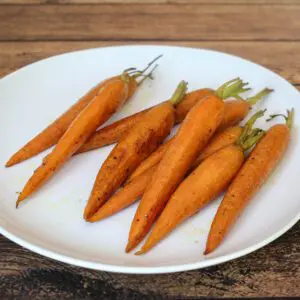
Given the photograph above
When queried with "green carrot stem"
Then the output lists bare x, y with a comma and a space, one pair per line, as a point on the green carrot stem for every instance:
260, 95
289, 117
232, 88
179, 93
252, 139
147, 76
248, 126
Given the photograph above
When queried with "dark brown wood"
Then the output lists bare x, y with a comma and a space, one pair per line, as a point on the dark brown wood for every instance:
150, 22
271, 271
15, 54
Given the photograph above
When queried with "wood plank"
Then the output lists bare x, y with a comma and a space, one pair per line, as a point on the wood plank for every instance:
150, 22
270, 271
229, 2
281, 59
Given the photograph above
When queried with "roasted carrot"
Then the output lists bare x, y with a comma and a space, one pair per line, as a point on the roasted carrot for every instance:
136, 186
51, 135
124, 197
234, 112
152, 160
112, 133
143, 138
193, 135
107, 101
220, 140
203, 185
256, 170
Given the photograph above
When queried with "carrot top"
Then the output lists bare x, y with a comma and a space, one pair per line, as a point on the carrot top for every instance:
289, 117
250, 136
179, 93
260, 95
232, 88
133, 73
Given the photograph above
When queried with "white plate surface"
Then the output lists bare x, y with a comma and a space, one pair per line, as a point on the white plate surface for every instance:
51, 222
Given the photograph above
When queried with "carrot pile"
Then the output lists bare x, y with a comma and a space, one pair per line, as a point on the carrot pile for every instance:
174, 178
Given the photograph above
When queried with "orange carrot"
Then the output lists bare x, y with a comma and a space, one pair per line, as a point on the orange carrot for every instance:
256, 170
203, 185
234, 112
136, 186
220, 140
51, 135
106, 102
124, 197
112, 133
197, 128
152, 160
140, 141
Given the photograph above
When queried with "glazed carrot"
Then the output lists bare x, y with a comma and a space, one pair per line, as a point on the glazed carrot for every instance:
124, 197
256, 170
220, 140
134, 147
106, 102
203, 185
234, 112
51, 135
112, 133
152, 160
136, 187
191, 138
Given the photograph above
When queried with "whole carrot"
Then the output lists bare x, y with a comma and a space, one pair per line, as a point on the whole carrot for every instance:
203, 185
136, 187
112, 133
106, 102
234, 112
51, 135
256, 170
143, 138
193, 135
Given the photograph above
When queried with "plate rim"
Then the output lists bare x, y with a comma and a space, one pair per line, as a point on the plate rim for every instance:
142, 269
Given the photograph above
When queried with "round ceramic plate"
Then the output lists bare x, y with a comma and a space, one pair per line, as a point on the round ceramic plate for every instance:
51, 222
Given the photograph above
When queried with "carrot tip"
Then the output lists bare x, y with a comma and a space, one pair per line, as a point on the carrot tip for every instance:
140, 252
129, 247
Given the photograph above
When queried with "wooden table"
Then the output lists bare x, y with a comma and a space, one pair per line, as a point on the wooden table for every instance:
265, 31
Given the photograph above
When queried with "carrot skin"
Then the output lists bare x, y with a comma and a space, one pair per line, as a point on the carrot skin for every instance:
136, 185
104, 104
203, 185
220, 140
112, 133
256, 170
189, 101
191, 138
124, 197
139, 142
152, 159
234, 112
52, 134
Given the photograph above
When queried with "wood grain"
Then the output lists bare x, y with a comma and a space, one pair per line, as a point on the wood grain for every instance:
228, 2
150, 22
271, 271
15, 55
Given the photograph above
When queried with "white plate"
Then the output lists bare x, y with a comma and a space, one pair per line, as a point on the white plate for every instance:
51, 223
